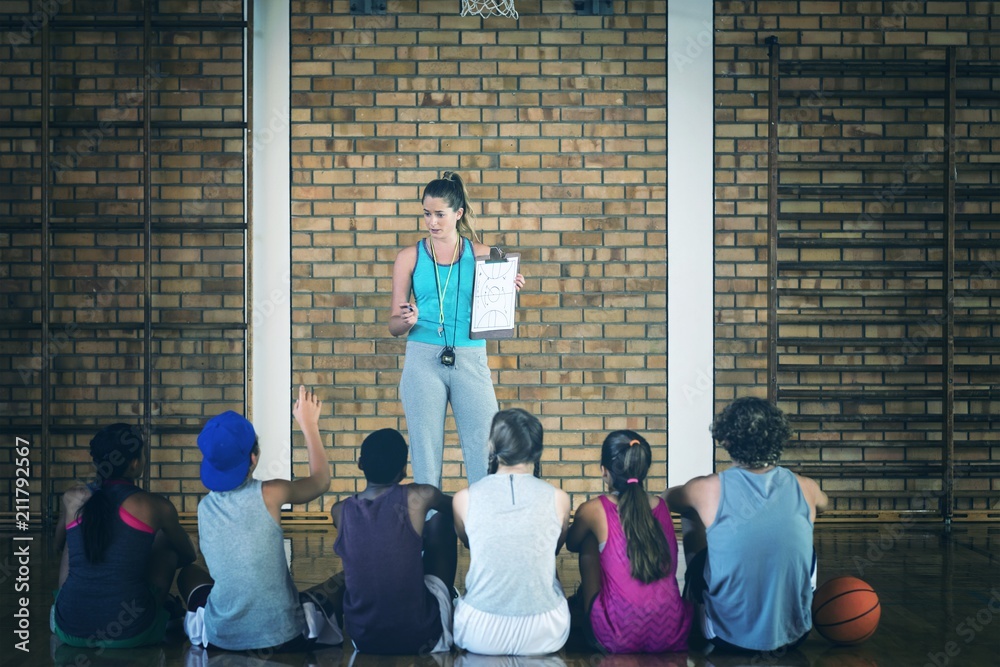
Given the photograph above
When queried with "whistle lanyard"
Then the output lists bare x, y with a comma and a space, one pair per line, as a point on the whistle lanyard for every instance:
442, 292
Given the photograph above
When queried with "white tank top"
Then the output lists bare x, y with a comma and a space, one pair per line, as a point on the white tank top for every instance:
513, 530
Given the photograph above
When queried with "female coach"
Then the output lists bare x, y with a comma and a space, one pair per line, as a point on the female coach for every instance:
442, 364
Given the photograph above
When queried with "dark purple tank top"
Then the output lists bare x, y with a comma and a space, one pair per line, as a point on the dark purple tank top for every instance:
387, 607
115, 592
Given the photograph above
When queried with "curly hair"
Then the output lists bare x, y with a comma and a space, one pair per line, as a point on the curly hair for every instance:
753, 431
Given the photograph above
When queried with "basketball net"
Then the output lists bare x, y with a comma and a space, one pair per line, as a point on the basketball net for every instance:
488, 8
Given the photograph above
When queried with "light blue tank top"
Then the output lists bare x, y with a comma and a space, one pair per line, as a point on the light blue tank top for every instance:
760, 550
254, 603
513, 530
457, 299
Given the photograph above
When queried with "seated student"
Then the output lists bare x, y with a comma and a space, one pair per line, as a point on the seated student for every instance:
748, 536
628, 557
121, 547
247, 599
514, 525
396, 600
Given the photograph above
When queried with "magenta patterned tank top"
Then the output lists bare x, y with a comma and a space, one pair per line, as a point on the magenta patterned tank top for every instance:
629, 616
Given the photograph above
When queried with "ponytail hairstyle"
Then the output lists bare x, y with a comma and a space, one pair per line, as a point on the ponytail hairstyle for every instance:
626, 456
451, 188
113, 449
515, 437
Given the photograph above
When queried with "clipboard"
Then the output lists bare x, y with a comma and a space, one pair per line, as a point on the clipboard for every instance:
494, 298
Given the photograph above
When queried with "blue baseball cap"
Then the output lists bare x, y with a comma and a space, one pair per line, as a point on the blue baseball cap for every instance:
225, 444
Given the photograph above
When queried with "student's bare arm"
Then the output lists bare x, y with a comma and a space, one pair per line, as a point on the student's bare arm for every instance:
277, 492
335, 513
562, 511
817, 499
72, 500
699, 497
178, 538
582, 525
460, 507
425, 497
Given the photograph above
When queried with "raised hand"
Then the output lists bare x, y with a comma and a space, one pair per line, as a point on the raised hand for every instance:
307, 408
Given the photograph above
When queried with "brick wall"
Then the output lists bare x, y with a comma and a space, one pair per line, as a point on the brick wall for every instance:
97, 357
557, 123
872, 450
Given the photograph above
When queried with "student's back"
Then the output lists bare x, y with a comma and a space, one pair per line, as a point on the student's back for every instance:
630, 616
514, 525
247, 600
115, 572
760, 548
387, 608
244, 550
96, 594
628, 557
514, 529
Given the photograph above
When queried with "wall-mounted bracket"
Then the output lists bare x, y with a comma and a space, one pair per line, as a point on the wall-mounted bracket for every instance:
367, 7
594, 7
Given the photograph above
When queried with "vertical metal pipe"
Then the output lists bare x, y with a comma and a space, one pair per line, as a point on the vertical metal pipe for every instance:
48, 509
772, 220
147, 214
248, 207
948, 332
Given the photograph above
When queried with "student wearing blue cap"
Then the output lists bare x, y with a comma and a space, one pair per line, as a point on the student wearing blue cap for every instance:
247, 600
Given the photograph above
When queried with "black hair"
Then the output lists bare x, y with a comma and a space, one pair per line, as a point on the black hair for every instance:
451, 188
113, 449
383, 456
753, 431
515, 438
627, 456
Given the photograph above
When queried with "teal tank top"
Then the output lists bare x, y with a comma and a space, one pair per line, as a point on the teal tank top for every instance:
760, 551
254, 603
457, 299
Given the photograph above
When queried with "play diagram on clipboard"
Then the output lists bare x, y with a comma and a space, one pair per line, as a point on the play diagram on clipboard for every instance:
494, 297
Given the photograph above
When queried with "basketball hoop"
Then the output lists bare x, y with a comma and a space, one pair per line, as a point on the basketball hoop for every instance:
488, 8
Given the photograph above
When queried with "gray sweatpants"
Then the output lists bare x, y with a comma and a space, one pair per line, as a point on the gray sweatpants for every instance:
426, 388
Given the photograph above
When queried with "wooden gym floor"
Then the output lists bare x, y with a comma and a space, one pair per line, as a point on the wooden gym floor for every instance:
940, 606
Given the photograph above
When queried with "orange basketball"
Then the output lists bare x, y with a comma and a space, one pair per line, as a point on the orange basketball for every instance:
846, 610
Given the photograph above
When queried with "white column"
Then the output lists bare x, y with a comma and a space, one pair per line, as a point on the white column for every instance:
690, 263
271, 317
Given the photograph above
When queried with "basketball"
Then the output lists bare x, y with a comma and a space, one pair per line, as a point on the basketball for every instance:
846, 610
